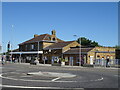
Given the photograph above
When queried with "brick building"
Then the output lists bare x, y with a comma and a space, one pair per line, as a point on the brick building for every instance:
50, 49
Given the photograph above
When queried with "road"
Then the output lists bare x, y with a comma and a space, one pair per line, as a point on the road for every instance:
55, 77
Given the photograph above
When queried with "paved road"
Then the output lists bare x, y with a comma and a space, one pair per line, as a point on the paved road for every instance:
16, 76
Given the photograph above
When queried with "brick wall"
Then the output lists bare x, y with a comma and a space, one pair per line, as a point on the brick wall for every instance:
101, 55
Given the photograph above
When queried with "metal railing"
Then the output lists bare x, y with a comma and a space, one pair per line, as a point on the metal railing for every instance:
104, 63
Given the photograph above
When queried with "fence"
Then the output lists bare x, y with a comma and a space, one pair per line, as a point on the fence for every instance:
104, 63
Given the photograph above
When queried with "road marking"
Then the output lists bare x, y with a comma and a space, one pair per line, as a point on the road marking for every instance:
49, 80
29, 87
0, 75
117, 75
38, 87
98, 79
32, 80
55, 79
26, 76
14, 72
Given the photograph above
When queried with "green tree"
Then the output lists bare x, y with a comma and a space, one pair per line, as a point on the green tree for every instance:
117, 47
0, 47
87, 42
94, 43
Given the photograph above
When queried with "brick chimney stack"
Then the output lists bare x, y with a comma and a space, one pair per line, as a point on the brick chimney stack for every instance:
35, 35
53, 36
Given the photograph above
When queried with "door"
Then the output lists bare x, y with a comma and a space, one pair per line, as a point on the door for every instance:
91, 60
71, 61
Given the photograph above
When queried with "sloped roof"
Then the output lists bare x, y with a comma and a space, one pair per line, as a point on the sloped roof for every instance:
43, 37
77, 50
58, 45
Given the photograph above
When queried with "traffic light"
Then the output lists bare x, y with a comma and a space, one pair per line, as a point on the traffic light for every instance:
8, 47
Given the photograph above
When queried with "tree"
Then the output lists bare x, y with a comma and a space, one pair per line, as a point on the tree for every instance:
87, 42
94, 43
117, 47
0, 47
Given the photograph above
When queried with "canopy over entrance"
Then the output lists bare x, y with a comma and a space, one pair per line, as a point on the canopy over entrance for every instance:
34, 52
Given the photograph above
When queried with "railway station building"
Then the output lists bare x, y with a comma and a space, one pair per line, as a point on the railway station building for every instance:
50, 49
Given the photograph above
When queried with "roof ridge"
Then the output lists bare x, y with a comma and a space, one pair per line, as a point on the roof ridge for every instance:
65, 41
41, 37
44, 34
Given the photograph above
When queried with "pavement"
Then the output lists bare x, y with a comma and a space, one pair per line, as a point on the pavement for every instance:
70, 66
15, 76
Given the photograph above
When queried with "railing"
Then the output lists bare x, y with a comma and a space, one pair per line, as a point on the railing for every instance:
104, 63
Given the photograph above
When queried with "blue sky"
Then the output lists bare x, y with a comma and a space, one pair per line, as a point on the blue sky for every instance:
97, 21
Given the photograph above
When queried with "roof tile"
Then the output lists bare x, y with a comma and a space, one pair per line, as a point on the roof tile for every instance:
77, 50
43, 37
58, 45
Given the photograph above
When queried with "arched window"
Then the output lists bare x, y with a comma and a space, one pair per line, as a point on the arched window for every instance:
53, 39
98, 55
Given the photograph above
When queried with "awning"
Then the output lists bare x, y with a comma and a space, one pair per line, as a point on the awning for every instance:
34, 52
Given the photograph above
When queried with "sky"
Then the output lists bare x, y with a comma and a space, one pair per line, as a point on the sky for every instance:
97, 21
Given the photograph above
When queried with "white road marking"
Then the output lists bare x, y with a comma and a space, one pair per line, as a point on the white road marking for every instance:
29, 87
98, 79
48, 80
117, 75
37, 87
32, 80
0, 75
26, 76
55, 79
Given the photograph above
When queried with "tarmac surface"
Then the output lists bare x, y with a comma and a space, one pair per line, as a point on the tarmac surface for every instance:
17, 76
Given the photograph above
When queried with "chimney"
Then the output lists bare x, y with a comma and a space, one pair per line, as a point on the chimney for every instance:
53, 36
54, 32
35, 35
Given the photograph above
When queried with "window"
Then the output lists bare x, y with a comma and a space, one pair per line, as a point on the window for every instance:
26, 47
71, 61
53, 39
98, 55
66, 59
77, 60
20, 48
55, 59
32, 46
71, 58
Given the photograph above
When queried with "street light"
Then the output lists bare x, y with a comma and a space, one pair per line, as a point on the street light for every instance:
79, 50
38, 50
11, 42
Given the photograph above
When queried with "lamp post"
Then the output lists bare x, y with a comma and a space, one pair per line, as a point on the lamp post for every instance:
38, 50
79, 50
50, 53
11, 42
